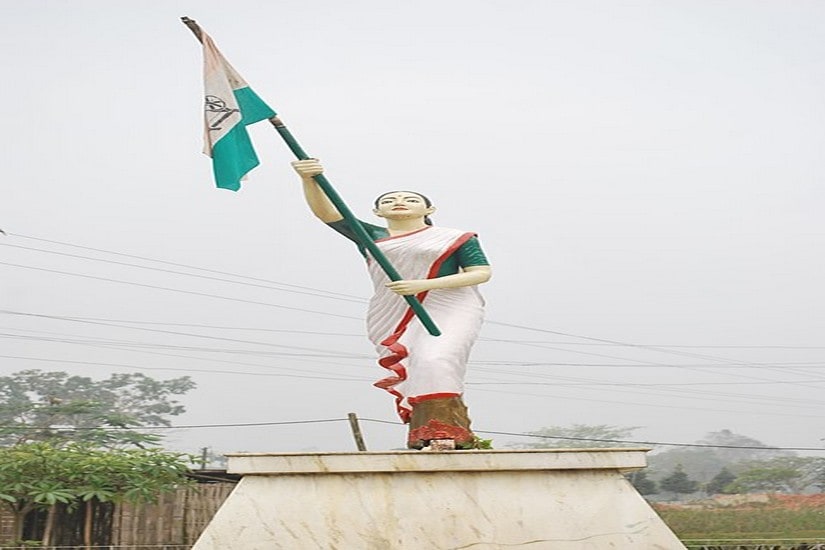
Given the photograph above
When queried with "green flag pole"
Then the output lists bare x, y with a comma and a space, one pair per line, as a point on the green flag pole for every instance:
361, 234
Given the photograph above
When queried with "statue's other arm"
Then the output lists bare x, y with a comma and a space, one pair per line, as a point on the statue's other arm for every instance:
318, 202
469, 276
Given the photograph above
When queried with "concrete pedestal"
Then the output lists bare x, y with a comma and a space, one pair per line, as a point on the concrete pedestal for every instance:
554, 499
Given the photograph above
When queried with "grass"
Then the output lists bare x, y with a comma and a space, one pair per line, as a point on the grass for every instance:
780, 518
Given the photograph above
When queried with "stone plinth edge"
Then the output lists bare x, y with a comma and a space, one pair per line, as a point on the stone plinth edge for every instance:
624, 459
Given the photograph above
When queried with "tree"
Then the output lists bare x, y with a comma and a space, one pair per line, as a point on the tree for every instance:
699, 464
720, 483
723, 449
765, 480
42, 475
579, 435
678, 482
733, 447
818, 480
793, 474
642, 483
57, 407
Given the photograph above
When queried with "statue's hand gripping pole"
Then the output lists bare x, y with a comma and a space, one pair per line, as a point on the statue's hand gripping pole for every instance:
360, 233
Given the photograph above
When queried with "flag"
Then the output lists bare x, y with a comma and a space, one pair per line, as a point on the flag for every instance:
230, 105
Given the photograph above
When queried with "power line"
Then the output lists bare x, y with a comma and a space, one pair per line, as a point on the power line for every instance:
691, 346
377, 421
760, 399
180, 369
627, 442
806, 364
583, 382
219, 327
242, 363
618, 343
657, 443
266, 343
127, 344
181, 427
509, 341
631, 384
693, 394
110, 322
176, 333
707, 368
642, 363
331, 296
277, 345
744, 365
131, 344
126, 347
481, 339
653, 405
578, 382
318, 292
175, 264
599, 340
761, 380
190, 292
586, 382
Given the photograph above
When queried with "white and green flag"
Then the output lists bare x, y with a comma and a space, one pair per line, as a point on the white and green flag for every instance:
229, 107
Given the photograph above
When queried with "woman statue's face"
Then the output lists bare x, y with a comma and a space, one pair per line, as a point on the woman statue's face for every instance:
402, 205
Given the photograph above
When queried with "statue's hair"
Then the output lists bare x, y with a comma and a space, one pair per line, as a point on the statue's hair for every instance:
427, 202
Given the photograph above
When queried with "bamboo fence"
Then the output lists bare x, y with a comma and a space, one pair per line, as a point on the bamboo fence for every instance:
174, 522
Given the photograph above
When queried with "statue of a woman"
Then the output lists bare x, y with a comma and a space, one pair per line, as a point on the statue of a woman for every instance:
442, 267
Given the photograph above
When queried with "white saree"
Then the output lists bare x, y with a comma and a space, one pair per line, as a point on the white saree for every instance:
422, 366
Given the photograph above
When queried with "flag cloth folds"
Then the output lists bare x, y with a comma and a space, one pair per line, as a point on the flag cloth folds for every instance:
230, 105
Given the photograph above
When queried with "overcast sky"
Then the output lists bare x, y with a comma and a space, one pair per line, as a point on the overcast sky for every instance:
646, 178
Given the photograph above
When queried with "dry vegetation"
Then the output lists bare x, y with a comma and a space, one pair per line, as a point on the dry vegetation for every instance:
754, 517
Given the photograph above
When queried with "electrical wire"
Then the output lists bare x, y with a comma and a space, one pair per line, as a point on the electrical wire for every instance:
189, 292
262, 343
395, 423
315, 292
79, 320
181, 369
176, 264
176, 333
331, 296
326, 293
622, 441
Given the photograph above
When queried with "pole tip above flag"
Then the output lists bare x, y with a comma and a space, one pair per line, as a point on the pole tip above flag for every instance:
193, 26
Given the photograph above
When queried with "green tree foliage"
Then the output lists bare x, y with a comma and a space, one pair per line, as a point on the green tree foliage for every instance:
702, 463
54, 406
642, 483
579, 436
818, 479
720, 484
793, 474
765, 480
678, 482
41, 474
